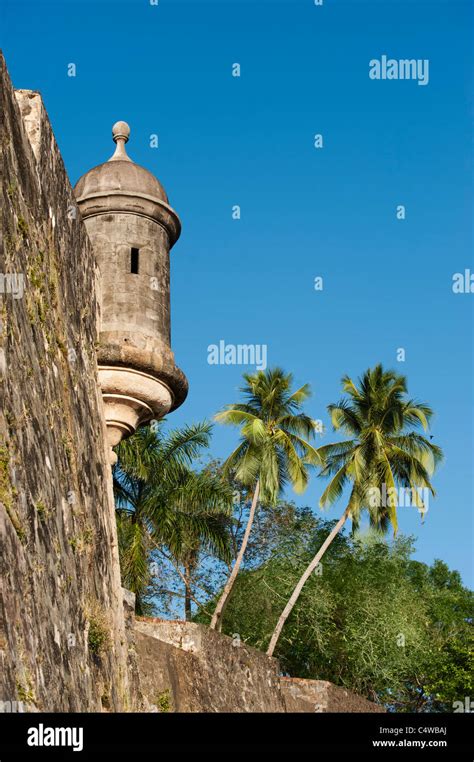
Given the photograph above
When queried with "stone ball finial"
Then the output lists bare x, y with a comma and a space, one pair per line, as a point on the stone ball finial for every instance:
120, 130
120, 135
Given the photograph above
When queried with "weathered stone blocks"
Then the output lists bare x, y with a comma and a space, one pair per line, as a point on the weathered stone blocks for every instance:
63, 643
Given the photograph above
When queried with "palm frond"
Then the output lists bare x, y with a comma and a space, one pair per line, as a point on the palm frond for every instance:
384, 450
335, 487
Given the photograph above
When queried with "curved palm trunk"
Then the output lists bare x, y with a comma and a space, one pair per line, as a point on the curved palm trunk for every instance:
219, 610
190, 564
309, 570
187, 593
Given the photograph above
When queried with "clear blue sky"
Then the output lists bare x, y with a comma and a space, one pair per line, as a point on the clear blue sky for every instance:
166, 69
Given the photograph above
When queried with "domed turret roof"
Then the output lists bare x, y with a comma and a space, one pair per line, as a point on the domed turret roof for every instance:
125, 176
120, 173
120, 185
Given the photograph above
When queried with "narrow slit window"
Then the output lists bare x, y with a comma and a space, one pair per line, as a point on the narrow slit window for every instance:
134, 261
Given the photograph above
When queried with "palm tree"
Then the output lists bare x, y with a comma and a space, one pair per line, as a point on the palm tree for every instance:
273, 449
161, 501
207, 498
384, 450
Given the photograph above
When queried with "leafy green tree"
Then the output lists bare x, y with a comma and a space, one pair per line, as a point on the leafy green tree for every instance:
163, 503
448, 674
273, 450
371, 620
384, 452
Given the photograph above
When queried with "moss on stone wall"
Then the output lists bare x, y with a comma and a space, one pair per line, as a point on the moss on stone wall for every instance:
60, 549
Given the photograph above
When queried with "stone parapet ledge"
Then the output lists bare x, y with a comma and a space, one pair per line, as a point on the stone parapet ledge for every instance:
201, 670
301, 695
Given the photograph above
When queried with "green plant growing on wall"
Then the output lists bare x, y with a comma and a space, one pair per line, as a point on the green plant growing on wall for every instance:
5, 484
11, 191
22, 227
8, 492
24, 684
98, 636
25, 693
43, 512
82, 541
164, 702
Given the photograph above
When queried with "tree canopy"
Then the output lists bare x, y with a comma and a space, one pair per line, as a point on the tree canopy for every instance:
371, 618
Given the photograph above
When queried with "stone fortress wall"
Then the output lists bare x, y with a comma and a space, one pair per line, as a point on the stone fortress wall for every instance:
68, 636
63, 643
